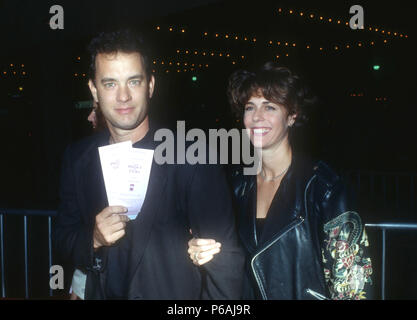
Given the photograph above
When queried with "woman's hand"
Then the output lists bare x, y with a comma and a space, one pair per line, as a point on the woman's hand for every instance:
202, 251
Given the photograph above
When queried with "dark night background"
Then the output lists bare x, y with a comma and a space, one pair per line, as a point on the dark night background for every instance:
363, 123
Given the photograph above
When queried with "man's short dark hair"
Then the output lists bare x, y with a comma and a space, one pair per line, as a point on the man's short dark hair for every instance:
125, 40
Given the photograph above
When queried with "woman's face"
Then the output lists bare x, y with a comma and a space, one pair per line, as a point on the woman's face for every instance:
266, 122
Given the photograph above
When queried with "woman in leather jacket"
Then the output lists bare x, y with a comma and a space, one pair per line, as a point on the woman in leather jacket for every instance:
303, 237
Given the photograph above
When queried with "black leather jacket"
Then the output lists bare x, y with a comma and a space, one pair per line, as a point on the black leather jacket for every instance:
310, 232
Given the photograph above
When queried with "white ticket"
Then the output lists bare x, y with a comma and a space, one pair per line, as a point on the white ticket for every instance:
126, 173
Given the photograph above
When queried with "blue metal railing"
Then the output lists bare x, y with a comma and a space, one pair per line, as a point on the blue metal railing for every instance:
384, 227
50, 214
25, 213
393, 191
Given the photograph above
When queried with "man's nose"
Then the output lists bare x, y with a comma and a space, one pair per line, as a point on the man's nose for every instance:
123, 94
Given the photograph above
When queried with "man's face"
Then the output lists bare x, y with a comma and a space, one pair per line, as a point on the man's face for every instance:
122, 89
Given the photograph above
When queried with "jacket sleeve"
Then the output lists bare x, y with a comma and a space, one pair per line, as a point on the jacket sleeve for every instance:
345, 248
209, 206
72, 235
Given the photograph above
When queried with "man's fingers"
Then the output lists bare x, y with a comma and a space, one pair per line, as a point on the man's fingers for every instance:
116, 218
108, 211
115, 236
124, 218
118, 226
110, 226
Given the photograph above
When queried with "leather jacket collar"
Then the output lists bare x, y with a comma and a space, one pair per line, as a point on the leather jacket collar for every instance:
285, 209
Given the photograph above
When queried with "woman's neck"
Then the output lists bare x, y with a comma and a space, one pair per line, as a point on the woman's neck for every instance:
276, 161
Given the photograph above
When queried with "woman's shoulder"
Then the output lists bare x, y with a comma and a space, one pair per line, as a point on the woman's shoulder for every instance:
332, 192
326, 174
307, 167
321, 177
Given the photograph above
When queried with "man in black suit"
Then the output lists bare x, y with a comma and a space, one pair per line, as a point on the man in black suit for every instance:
145, 258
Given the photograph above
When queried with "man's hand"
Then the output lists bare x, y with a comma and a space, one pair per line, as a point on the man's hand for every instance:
110, 226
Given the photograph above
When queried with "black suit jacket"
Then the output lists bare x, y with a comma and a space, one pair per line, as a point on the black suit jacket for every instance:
151, 260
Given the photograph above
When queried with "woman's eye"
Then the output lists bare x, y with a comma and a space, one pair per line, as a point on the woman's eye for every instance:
248, 108
271, 108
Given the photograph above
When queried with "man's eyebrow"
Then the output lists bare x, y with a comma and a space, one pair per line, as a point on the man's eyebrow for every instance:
136, 76
107, 80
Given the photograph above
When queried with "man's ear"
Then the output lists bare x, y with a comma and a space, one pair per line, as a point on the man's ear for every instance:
93, 90
151, 85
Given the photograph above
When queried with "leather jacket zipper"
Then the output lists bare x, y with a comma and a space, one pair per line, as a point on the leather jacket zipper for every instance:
258, 281
292, 226
316, 295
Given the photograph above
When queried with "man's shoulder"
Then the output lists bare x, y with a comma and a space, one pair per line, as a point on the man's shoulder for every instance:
85, 145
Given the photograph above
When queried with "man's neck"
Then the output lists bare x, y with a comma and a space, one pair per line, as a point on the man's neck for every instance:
134, 135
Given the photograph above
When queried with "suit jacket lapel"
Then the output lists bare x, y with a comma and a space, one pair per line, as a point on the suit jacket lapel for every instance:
92, 182
141, 227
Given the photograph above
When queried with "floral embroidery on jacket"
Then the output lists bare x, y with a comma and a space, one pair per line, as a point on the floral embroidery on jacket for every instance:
347, 268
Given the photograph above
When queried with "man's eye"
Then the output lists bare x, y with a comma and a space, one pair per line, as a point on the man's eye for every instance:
248, 108
270, 108
134, 82
109, 85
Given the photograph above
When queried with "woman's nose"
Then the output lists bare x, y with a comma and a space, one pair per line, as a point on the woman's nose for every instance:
258, 115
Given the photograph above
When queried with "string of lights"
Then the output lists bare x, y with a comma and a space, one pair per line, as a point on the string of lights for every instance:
168, 67
254, 39
172, 65
361, 95
177, 66
322, 48
207, 53
220, 54
334, 46
13, 69
279, 43
317, 17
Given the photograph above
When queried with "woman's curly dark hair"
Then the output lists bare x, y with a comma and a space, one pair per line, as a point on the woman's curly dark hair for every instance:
276, 84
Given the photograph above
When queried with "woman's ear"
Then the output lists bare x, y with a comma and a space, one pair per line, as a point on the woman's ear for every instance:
291, 119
